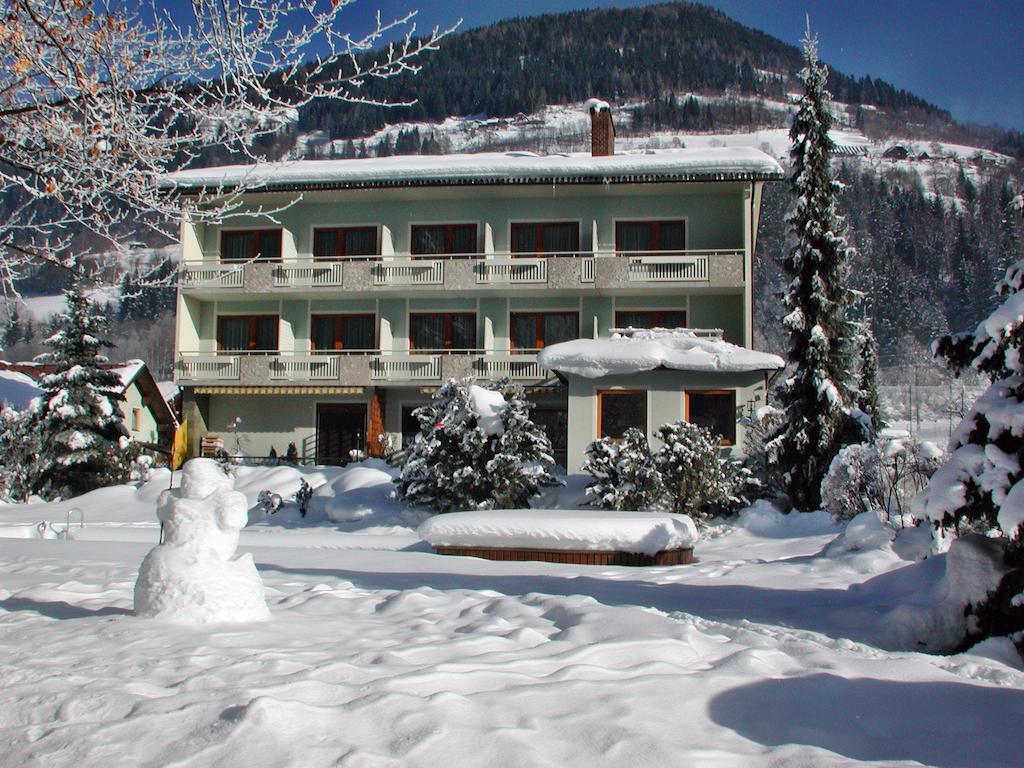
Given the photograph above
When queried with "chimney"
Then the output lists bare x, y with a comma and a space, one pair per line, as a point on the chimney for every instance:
602, 129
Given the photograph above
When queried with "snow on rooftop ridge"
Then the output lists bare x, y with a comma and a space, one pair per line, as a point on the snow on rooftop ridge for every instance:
591, 105
709, 162
647, 350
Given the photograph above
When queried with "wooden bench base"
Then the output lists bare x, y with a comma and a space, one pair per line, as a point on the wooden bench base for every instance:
573, 556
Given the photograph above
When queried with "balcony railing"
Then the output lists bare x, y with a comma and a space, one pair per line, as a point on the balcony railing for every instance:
304, 367
663, 269
211, 367
509, 270
402, 367
212, 277
308, 275
409, 272
514, 366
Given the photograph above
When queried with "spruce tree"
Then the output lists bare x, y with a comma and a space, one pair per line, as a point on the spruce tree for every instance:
462, 459
77, 415
819, 392
624, 473
868, 398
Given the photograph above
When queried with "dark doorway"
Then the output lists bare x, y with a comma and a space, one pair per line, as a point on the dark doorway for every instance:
554, 420
340, 429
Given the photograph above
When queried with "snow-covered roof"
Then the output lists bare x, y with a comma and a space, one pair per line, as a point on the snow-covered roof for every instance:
17, 389
647, 350
128, 371
705, 164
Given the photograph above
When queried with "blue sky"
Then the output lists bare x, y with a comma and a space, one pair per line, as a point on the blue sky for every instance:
967, 57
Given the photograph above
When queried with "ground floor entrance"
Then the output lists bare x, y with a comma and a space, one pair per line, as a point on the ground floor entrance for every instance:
340, 430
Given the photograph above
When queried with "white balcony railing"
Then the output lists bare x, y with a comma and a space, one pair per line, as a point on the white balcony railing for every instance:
405, 367
212, 277
304, 367
505, 271
658, 269
524, 366
308, 275
209, 367
409, 272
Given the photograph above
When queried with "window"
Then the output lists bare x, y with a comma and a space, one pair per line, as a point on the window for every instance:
342, 332
443, 238
437, 331
637, 236
247, 332
249, 244
536, 330
553, 238
651, 318
136, 419
714, 410
344, 243
620, 409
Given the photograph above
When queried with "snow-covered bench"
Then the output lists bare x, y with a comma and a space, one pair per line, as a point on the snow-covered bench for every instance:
583, 537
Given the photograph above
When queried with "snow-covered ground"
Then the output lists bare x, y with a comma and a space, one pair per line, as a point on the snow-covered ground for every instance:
774, 649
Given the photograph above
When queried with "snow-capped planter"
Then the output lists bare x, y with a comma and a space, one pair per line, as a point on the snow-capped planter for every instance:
191, 578
585, 537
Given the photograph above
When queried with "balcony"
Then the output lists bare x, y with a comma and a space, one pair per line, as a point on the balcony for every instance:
503, 365
403, 272
198, 276
308, 275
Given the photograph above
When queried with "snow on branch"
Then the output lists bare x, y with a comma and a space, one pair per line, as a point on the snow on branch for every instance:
99, 99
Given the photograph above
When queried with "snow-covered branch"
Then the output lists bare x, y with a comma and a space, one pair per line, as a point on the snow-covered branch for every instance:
98, 99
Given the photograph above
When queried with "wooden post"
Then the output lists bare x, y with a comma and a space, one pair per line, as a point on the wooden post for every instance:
375, 428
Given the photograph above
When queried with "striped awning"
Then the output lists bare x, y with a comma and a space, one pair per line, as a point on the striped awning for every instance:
238, 390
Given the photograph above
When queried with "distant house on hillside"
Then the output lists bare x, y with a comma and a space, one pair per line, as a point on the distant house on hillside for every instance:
147, 417
897, 152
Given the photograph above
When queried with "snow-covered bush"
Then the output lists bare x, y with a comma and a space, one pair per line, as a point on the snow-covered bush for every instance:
697, 479
763, 422
854, 483
292, 455
882, 477
303, 495
20, 444
142, 469
624, 473
476, 449
269, 501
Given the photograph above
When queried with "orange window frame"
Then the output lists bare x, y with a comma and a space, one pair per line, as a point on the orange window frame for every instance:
339, 319
447, 333
538, 228
725, 440
655, 314
250, 343
449, 238
655, 226
339, 243
254, 246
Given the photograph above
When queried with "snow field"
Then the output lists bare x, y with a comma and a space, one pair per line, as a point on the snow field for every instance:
765, 652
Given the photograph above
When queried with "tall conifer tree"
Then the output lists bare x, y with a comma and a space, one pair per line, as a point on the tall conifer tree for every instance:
818, 394
78, 418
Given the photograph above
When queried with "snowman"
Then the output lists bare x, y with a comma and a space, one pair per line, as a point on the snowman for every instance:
190, 577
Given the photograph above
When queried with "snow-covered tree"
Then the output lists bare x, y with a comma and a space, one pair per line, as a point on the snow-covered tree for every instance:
476, 449
869, 401
80, 426
20, 445
820, 389
698, 480
981, 487
624, 473
99, 99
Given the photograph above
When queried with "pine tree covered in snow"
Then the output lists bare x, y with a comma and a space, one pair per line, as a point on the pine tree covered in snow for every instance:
981, 487
868, 398
820, 390
476, 449
20, 446
624, 473
698, 480
77, 415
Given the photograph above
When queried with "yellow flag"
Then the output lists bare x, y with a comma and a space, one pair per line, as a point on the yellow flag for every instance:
180, 449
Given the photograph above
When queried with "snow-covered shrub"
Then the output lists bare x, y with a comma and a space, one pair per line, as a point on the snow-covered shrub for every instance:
292, 455
20, 444
142, 469
303, 495
697, 479
476, 449
908, 464
854, 483
624, 473
269, 501
763, 422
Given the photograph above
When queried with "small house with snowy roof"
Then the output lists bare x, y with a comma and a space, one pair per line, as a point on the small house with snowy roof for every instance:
329, 323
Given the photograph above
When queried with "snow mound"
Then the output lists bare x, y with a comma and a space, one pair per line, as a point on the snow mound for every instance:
862, 533
190, 578
647, 350
17, 389
644, 533
359, 491
762, 518
489, 405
